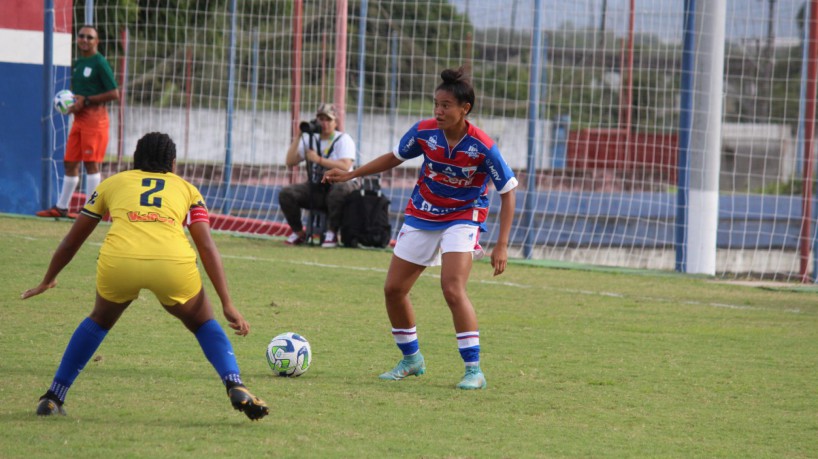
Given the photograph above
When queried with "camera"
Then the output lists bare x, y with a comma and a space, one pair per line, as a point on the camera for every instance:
310, 127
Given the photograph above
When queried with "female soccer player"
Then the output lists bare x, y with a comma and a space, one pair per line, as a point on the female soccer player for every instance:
444, 218
146, 248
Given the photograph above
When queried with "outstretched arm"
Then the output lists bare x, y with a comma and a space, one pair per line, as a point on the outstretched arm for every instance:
379, 164
499, 255
71, 243
212, 262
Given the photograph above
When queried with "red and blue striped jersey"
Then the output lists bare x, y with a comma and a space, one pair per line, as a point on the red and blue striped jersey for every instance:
452, 182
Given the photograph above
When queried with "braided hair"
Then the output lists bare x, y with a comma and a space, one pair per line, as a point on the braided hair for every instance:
457, 82
155, 152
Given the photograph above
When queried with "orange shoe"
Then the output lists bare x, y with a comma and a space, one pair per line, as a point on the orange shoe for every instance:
56, 212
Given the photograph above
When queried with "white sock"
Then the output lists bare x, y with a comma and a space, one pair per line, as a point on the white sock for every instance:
69, 184
91, 183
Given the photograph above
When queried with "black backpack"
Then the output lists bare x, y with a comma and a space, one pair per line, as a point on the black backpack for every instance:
365, 219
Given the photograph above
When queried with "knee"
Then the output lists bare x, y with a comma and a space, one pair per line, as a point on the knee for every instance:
453, 294
393, 291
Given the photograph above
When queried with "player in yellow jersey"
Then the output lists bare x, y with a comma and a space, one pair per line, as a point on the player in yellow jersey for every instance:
146, 248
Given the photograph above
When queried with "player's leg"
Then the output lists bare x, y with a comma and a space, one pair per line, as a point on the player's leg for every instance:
71, 178
291, 199
83, 344
458, 245
93, 144
415, 250
180, 291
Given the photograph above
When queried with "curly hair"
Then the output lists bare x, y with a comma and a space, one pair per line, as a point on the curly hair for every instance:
155, 152
457, 82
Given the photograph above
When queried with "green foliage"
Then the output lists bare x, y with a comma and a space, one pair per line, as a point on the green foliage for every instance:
580, 363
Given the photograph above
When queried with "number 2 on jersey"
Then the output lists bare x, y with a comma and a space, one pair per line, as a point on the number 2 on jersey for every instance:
147, 199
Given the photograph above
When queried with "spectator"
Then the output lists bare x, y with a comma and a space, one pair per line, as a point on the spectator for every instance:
323, 147
93, 84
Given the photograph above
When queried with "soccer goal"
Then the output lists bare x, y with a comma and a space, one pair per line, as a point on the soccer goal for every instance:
666, 135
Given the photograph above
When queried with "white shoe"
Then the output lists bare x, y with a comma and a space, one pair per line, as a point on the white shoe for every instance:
295, 239
330, 240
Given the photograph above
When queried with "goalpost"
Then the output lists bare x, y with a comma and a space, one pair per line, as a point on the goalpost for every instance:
636, 142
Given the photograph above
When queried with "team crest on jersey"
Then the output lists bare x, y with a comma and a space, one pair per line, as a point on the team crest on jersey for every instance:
431, 142
469, 171
86, 72
93, 199
472, 152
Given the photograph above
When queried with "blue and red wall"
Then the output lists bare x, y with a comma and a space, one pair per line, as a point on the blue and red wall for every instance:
22, 120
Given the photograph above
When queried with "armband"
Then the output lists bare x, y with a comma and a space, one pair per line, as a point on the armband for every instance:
197, 214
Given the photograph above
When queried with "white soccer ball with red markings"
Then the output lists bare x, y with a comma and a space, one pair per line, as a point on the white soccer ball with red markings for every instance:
63, 100
289, 354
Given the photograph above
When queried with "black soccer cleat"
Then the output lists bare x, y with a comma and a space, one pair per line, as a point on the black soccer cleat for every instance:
247, 403
49, 407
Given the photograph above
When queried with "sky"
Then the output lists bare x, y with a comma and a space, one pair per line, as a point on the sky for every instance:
746, 19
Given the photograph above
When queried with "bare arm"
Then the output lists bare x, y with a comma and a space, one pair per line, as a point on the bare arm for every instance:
379, 164
499, 255
292, 152
212, 262
71, 243
84, 101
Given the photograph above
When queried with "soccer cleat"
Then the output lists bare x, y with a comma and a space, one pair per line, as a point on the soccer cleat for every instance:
295, 239
247, 403
49, 407
330, 240
473, 379
56, 212
409, 365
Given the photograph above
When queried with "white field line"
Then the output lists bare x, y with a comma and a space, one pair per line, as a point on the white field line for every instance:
526, 286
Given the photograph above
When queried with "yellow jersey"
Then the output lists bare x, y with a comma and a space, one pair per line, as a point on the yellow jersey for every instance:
148, 212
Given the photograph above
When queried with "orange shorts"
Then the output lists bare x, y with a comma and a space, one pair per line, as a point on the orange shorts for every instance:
88, 139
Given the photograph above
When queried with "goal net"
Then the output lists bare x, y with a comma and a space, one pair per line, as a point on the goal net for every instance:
596, 151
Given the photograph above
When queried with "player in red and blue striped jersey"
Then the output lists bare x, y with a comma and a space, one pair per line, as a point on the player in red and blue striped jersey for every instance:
444, 218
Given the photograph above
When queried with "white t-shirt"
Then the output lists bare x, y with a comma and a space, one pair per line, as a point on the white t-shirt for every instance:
344, 147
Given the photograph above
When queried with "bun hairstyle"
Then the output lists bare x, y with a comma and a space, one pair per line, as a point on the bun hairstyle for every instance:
457, 82
155, 152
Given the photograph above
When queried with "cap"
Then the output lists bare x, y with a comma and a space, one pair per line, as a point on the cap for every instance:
327, 110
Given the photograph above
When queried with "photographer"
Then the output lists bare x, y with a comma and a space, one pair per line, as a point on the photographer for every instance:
323, 148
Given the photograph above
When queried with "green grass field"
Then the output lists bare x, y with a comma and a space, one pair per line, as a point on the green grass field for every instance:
579, 362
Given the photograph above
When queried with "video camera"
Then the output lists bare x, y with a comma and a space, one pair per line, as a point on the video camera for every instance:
310, 127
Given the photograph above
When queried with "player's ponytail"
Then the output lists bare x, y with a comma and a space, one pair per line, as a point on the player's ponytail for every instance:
155, 152
457, 82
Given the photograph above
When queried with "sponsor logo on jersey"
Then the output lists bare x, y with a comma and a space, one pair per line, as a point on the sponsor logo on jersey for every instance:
86, 72
472, 152
136, 217
408, 145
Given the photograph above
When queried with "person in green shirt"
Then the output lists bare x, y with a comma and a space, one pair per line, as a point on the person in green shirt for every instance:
93, 85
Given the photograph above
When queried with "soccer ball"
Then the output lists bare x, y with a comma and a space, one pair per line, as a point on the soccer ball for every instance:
63, 100
289, 354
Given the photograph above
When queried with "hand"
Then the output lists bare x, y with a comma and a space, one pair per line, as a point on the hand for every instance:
499, 258
236, 320
312, 156
335, 175
78, 105
38, 289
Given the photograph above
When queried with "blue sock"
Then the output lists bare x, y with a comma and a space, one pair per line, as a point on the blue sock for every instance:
219, 351
84, 342
468, 343
407, 340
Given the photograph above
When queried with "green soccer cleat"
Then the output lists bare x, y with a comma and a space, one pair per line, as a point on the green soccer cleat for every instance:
473, 379
247, 403
49, 407
409, 365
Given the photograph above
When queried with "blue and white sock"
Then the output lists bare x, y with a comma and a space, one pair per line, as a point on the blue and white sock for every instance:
468, 343
407, 340
219, 352
84, 342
